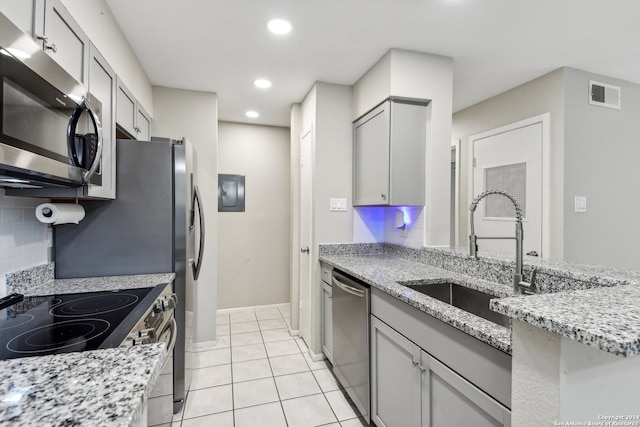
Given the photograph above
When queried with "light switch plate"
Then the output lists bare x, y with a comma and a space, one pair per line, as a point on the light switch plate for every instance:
337, 204
580, 204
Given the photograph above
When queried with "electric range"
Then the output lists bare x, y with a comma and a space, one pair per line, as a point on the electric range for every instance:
42, 325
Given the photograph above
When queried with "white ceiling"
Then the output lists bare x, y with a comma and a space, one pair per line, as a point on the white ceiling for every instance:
223, 45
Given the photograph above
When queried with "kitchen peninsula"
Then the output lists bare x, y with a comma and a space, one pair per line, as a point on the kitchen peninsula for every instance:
572, 347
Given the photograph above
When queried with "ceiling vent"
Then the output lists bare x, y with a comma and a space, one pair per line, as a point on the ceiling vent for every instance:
604, 95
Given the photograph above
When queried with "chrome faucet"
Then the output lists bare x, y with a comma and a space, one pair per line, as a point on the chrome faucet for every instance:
519, 286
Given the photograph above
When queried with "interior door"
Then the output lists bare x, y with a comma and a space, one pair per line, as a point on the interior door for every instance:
306, 176
509, 159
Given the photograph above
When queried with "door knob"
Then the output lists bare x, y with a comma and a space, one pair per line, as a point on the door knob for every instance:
305, 250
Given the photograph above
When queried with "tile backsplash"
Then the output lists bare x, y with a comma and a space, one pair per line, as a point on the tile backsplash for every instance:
377, 224
24, 241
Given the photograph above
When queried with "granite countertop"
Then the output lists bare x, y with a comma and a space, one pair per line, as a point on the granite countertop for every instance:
594, 305
39, 281
383, 271
607, 318
94, 388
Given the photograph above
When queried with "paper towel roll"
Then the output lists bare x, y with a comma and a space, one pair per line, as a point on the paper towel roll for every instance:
59, 213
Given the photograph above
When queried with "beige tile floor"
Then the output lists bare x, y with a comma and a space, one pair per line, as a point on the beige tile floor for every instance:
258, 375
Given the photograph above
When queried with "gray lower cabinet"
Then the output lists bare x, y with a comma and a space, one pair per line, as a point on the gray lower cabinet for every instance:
395, 378
327, 318
410, 387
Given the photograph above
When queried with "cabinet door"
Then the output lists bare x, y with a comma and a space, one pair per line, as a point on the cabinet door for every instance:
66, 43
102, 85
450, 400
395, 378
371, 158
22, 13
126, 109
143, 124
327, 324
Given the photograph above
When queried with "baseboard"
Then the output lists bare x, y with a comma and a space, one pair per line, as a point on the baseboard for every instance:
205, 345
256, 307
294, 332
316, 357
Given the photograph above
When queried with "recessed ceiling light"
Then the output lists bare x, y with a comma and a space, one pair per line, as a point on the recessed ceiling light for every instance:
279, 26
252, 114
262, 83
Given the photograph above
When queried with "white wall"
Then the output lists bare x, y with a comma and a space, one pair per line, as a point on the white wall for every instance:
326, 112
24, 241
602, 149
544, 94
194, 115
254, 245
97, 21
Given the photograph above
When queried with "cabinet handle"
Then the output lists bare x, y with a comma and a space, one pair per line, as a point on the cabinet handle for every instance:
52, 47
423, 370
414, 363
384, 196
137, 130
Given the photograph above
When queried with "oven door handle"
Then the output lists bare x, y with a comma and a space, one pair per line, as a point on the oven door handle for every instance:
173, 326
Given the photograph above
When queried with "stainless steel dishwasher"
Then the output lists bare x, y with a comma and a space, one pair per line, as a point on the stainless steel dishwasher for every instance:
350, 311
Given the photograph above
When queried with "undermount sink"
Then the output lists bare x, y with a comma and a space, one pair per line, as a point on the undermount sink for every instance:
467, 299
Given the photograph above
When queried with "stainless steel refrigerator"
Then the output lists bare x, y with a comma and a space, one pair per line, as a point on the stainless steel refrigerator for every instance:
151, 227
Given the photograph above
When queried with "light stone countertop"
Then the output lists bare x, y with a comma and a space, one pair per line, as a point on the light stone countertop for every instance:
383, 272
107, 387
39, 281
594, 305
93, 388
607, 317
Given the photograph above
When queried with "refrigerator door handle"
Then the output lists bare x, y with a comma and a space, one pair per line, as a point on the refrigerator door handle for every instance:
196, 264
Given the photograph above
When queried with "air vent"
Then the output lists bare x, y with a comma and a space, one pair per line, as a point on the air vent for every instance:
604, 95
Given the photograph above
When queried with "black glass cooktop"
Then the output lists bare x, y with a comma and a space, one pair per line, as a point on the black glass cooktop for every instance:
65, 323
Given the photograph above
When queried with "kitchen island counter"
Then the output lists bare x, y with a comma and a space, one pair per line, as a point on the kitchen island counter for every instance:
93, 388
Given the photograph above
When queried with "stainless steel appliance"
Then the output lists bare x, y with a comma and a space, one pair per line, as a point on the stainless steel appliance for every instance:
50, 132
41, 325
350, 309
150, 228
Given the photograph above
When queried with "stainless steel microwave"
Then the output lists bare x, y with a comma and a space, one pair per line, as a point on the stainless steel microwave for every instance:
50, 131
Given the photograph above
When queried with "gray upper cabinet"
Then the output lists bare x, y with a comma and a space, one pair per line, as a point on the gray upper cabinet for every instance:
132, 118
389, 145
102, 84
143, 124
50, 24
65, 41
22, 13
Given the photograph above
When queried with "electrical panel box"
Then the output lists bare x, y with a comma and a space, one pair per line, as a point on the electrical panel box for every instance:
230, 193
